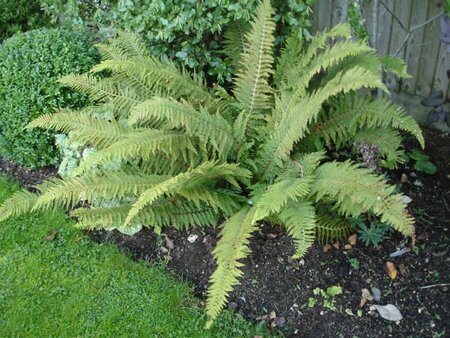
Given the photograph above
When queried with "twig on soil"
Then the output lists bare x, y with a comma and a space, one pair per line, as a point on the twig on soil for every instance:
434, 285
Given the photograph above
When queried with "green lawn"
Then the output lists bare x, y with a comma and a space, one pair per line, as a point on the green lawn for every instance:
72, 287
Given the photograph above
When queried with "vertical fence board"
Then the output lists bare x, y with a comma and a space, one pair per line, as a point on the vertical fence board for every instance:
441, 80
429, 53
414, 45
384, 26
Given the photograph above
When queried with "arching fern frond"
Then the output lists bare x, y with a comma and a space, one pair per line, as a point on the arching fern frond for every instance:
87, 130
143, 145
19, 203
332, 228
212, 129
356, 190
203, 175
300, 220
232, 246
251, 87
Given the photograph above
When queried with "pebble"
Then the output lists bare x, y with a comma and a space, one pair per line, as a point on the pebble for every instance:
376, 293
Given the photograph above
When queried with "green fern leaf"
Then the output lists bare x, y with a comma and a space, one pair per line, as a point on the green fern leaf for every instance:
251, 84
232, 246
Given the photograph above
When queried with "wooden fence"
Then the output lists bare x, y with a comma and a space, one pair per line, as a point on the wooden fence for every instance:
406, 28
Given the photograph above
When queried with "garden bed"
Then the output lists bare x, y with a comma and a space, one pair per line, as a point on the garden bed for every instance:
276, 290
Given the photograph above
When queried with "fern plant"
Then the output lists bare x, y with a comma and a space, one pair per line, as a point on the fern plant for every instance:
187, 155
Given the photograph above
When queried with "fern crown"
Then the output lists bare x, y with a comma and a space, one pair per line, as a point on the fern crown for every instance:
169, 151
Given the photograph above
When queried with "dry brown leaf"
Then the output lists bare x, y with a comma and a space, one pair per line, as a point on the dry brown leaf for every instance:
326, 248
391, 270
362, 302
352, 239
337, 245
347, 247
51, 235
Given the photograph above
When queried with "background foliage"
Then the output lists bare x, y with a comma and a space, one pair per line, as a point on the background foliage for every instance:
20, 15
30, 64
186, 31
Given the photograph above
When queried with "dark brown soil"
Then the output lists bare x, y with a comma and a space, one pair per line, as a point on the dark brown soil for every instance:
273, 282
26, 177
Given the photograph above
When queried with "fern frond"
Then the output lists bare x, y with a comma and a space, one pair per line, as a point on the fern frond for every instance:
142, 145
232, 246
93, 187
300, 220
212, 129
290, 55
184, 184
296, 122
332, 228
234, 42
278, 194
251, 84
85, 129
19, 203
388, 142
356, 190
104, 90
170, 212
394, 65
349, 113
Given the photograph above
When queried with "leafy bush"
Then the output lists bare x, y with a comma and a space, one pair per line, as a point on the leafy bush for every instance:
187, 32
20, 15
190, 155
30, 64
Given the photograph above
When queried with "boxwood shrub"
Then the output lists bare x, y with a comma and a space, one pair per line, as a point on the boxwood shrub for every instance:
30, 64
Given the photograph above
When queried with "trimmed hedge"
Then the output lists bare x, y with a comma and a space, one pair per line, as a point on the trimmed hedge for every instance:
30, 64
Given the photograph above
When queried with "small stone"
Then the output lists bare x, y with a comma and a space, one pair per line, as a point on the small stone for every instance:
406, 199
376, 294
169, 243
273, 315
192, 238
366, 294
271, 236
164, 250
336, 245
404, 178
232, 305
347, 247
279, 321
352, 239
326, 248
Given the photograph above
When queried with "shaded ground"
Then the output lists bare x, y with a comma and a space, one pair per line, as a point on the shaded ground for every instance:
274, 283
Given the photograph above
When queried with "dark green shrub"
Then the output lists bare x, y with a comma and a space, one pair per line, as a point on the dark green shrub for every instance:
20, 15
187, 32
30, 64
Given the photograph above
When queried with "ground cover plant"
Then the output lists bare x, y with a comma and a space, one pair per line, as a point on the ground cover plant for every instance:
172, 152
56, 282
30, 63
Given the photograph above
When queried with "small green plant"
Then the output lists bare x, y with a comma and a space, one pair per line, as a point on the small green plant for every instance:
30, 64
328, 297
373, 233
354, 263
423, 163
185, 154
312, 302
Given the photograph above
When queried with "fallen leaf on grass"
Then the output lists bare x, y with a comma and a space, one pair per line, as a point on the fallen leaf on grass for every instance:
352, 239
391, 270
388, 312
326, 248
51, 235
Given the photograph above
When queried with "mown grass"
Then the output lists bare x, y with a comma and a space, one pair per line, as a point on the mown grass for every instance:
72, 287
